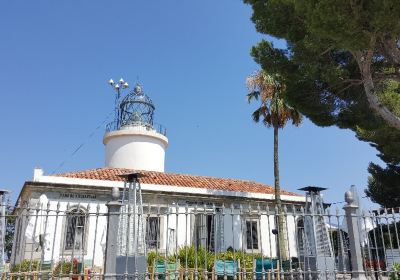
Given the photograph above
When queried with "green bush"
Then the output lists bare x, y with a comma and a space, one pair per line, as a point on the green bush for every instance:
246, 259
395, 274
203, 257
26, 266
62, 268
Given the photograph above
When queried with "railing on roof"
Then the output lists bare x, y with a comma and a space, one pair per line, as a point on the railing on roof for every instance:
141, 126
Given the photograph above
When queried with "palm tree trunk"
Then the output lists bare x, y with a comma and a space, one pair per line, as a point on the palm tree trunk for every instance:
281, 240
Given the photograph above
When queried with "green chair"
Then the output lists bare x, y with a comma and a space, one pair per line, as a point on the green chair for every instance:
228, 268
164, 268
265, 265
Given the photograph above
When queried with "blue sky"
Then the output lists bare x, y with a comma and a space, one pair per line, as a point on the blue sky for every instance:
192, 58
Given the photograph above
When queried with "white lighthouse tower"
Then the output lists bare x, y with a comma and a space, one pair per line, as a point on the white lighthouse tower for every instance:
132, 140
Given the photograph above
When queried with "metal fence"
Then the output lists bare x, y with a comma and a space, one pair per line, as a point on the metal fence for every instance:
138, 126
201, 240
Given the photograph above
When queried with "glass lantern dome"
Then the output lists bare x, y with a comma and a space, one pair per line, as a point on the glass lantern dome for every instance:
136, 109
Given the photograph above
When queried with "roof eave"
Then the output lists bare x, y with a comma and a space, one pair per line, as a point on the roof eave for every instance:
165, 188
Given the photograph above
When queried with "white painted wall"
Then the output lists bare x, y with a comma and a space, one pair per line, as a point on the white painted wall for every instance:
95, 239
178, 225
137, 149
54, 227
233, 230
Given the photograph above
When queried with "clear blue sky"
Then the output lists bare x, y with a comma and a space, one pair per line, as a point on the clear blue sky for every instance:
192, 58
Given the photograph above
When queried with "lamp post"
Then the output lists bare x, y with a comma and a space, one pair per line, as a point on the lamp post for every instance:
133, 258
118, 87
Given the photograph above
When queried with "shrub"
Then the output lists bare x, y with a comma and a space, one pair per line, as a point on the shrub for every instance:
26, 266
62, 267
203, 257
395, 274
152, 256
67, 267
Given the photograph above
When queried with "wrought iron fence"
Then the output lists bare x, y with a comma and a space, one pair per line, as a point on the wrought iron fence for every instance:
201, 240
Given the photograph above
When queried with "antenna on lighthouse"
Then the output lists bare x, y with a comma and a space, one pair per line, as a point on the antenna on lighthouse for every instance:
118, 87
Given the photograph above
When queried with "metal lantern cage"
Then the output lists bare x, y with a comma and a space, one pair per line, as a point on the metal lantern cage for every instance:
136, 109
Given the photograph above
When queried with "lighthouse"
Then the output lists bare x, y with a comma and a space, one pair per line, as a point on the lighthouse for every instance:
132, 140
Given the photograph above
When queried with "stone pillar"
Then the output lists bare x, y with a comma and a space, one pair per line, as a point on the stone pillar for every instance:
354, 238
114, 208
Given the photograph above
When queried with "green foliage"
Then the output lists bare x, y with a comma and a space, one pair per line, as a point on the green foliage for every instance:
246, 259
26, 266
322, 77
270, 91
383, 185
389, 95
62, 268
152, 256
395, 274
320, 65
204, 258
384, 235
66, 267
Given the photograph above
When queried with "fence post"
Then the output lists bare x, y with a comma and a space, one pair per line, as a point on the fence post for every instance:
114, 208
354, 237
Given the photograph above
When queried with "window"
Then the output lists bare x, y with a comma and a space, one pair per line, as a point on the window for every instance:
300, 236
205, 231
153, 232
75, 231
252, 234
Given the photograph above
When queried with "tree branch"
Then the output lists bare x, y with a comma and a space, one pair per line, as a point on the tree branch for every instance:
379, 77
351, 83
325, 51
364, 59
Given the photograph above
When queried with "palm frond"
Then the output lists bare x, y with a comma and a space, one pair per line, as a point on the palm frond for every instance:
269, 90
268, 120
252, 95
296, 117
259, 113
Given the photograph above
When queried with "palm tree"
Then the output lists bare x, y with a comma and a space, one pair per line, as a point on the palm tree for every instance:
273, 112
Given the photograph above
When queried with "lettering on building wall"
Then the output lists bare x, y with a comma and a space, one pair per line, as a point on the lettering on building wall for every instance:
78, 195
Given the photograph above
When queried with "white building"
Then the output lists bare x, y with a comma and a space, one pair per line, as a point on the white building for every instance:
63, 215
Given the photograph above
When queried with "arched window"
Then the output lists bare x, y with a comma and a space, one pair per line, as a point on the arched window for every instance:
75, 230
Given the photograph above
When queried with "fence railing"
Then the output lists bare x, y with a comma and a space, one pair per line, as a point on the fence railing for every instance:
141, 126
196, 240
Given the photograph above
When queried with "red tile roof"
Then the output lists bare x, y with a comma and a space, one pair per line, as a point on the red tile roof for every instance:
181, 180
